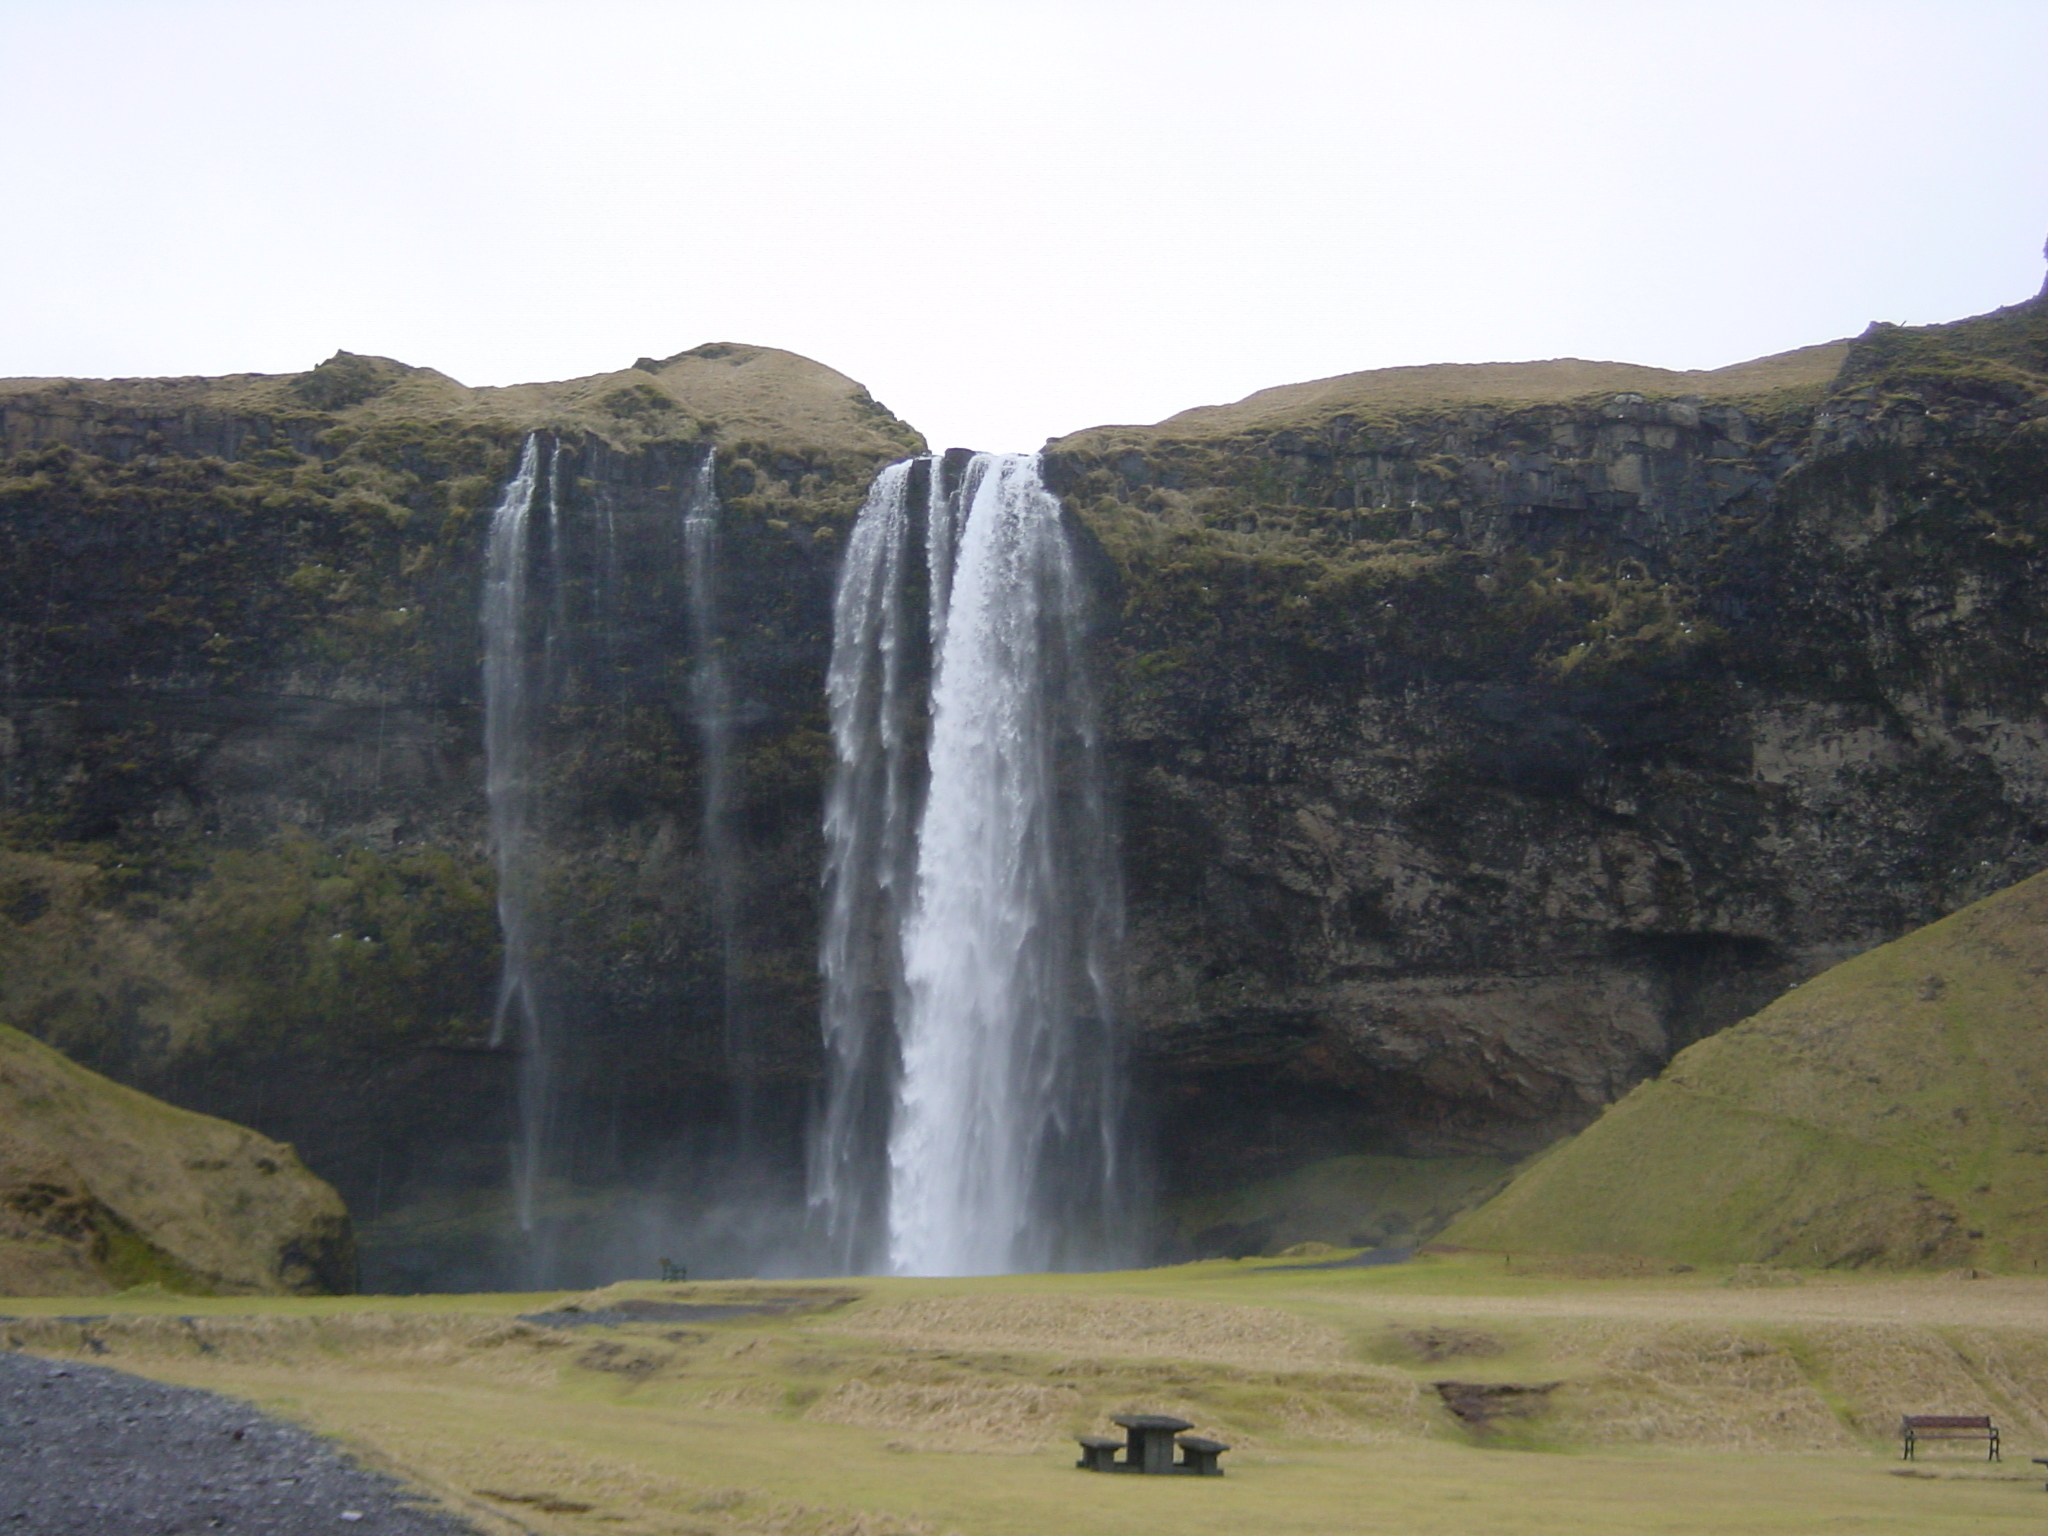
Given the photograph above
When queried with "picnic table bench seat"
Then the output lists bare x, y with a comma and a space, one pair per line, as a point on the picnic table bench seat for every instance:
1198, 1456
1098, 1453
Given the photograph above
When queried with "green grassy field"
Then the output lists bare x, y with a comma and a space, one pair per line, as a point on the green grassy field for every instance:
1745, 1401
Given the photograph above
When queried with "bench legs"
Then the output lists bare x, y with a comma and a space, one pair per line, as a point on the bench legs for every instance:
1912, 1442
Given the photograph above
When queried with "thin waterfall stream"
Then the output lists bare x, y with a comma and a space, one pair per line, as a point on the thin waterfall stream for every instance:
973, 1115
554, 597
511, 791
711, 709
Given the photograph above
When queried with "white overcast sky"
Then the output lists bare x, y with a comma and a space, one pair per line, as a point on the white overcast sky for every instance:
1009, 220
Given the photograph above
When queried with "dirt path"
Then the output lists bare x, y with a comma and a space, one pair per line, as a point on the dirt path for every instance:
87, 1451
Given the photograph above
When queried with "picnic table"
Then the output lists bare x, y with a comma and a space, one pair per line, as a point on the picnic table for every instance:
1151, 1440
1149, 1445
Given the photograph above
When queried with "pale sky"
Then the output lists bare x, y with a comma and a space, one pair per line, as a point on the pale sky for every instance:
1008, 220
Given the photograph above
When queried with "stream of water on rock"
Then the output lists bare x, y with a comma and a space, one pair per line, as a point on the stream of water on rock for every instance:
511, 791
549, 615
711, 708
973, 1114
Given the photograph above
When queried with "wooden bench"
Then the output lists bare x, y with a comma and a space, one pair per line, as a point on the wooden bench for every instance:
1915, 1427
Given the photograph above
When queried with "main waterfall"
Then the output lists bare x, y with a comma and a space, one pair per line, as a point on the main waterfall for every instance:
973, 1119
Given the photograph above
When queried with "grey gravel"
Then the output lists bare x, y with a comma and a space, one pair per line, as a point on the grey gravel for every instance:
88, 1451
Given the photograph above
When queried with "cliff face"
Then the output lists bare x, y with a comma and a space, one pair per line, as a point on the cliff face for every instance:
1483, 735
241, 745
1491, 733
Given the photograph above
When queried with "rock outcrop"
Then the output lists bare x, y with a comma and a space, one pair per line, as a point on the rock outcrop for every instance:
1888, 1113
102, 1188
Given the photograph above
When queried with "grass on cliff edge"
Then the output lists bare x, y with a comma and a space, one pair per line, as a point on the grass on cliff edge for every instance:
1892, 1111
1802, 374
1650, 1403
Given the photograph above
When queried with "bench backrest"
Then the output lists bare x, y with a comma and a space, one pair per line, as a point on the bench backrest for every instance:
1948, 1421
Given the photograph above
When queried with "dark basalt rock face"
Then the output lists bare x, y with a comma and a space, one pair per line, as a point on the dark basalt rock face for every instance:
1479, 743
1478, 756
246, 859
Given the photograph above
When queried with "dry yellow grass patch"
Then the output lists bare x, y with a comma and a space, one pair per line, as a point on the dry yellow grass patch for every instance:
1701, 1387
1015, 1417
1258, 1337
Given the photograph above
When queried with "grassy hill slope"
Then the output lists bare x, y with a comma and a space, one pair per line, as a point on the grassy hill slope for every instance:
1893, 1111
102, 1187
740, 396
1388, 393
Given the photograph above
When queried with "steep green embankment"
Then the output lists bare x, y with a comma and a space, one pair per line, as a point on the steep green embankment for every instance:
102, 1188
1892, 1111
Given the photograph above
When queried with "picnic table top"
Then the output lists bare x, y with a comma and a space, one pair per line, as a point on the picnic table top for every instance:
1156, 1422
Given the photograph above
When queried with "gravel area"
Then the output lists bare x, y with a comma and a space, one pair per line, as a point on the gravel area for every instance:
87, 1451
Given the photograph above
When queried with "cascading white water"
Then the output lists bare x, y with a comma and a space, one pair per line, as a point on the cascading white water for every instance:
511, 792
973, 1110
867, 875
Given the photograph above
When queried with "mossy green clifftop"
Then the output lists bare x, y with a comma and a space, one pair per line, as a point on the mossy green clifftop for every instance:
1893, 1112
102, 1188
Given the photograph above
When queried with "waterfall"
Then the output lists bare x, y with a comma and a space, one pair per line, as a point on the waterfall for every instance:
606, 625
711, 708
867, 875
972, 1121
511, 791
